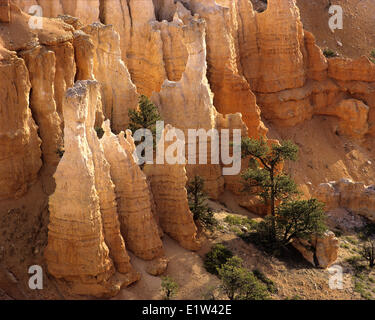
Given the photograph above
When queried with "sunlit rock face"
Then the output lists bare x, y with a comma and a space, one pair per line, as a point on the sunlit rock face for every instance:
168, 183
20, 154
134, 199
84, 231
353, 196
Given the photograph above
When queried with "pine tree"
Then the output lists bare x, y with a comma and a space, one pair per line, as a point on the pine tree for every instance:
145, 117
290, 218
197, 203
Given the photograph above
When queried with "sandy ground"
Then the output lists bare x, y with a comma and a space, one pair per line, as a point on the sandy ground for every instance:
358, 34
325, 156
185, 267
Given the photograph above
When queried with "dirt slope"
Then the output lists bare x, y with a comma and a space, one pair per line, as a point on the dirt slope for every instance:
358, 33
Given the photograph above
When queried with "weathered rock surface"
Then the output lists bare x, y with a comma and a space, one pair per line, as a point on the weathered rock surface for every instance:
41, 64
168, 183
353, 196
271, 45
319, 251
231, 91
119, 94
79, 228
144, 55
5, 11
103, 183
19, 142
86, 10
138, 225
157, 267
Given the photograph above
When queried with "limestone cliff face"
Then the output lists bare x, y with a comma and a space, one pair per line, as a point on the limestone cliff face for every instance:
19, 142
119, 94
168, 183
84, 231
141, 43
138, 225
32, 82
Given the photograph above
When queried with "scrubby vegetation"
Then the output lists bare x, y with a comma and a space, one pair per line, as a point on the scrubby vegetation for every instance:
218, 256
329, 53
169, 287
238, 283
372, 56
99, 132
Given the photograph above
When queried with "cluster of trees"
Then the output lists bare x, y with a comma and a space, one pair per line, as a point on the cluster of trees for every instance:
237, 282
290, 217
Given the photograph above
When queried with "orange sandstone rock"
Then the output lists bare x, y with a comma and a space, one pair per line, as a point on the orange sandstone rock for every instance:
168, 183
118, 92
19, 142
134, 205
77, 250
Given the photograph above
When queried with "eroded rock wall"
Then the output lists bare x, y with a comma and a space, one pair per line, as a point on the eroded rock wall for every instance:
119, 94
20, 155
138, 225
168, 183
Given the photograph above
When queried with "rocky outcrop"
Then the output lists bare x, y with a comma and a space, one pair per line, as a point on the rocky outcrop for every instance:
103, 183
353, 117
271, 46
19, 142
175, 54
84, 50
345, 69
138, 225
353, 196
83, 221
319, 251
119, 94
168, 183
179, 102
144, 55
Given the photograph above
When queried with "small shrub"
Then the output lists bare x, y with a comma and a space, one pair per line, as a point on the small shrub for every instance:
99, 132
368, 252
372, 56
239, 283
60, 152
169, 287
241, 221
328, 53
218, 256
